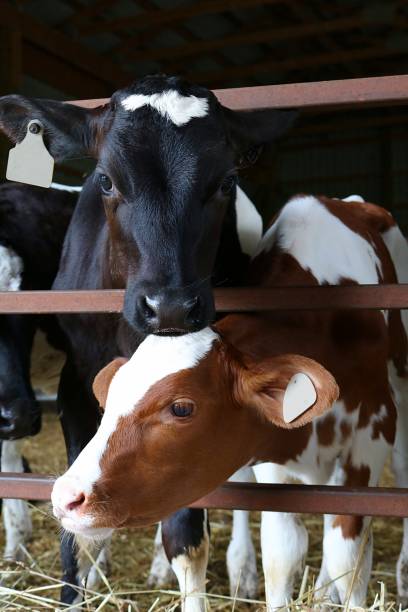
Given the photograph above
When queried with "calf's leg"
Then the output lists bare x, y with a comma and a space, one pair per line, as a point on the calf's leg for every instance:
16, 513
284, 542
186, 540
161, 572
347, 543
400, 467
241, 557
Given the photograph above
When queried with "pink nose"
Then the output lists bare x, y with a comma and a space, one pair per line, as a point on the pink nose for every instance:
67, 496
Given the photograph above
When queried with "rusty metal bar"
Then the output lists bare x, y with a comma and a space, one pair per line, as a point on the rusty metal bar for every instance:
305, 499
245, 299
374, 91
363, 501
25, 486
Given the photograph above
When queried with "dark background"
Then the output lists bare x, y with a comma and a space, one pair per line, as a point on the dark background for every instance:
78, 49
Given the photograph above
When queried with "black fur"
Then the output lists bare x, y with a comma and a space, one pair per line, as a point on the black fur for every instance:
183, 531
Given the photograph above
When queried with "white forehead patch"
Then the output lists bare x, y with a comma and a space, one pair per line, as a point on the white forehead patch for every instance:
11, 269
170, 104
156, 358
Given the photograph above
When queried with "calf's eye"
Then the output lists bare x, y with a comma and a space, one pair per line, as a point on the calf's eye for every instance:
182, 408
228, 184
106, 184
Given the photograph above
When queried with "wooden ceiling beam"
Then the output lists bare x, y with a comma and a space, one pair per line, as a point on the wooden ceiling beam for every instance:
87, 12
53, 70
246, 38
181, 30
161, 17
63, 47
307, 12
310, 61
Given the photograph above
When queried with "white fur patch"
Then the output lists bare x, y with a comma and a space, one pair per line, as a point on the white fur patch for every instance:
154, 359
11, 269
170, 104
354, 198
300, 395
249, 223
322, 244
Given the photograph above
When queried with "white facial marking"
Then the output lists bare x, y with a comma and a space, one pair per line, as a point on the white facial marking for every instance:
11, 269
321, 243
300, 395
170, 104
156, 358
61, 187
249, 223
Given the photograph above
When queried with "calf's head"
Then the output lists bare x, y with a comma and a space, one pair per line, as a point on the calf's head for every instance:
179, 418
167, 156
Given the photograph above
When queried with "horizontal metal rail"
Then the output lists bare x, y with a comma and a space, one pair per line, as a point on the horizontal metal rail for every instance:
372, 91
250, 299
304, 499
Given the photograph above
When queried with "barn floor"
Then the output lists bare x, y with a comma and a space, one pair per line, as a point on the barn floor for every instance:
132, 550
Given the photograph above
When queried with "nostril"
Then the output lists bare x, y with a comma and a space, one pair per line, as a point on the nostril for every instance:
194, 307
148, 307
77, 502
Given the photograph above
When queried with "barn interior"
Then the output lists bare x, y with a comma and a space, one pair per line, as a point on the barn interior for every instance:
81, 49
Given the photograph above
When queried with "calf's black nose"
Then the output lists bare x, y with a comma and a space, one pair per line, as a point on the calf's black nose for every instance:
18, 419
164, 315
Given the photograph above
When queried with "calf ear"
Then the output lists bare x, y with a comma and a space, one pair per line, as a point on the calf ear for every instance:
289, 390
103, 380
68, 130
250, 130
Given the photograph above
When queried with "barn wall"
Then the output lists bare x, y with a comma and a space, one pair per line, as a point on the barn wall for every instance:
368, 162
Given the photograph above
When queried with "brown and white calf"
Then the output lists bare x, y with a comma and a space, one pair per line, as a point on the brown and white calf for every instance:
185, 412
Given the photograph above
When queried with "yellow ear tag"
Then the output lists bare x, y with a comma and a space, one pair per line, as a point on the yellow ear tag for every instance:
29, 161
300, 395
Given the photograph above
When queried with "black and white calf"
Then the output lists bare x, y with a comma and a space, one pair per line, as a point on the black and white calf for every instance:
156, 218
33, 223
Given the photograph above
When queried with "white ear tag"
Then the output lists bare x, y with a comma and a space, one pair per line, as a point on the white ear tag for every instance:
29, 161
300, 395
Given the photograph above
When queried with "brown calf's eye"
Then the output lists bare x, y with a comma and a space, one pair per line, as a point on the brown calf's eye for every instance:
182, 408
